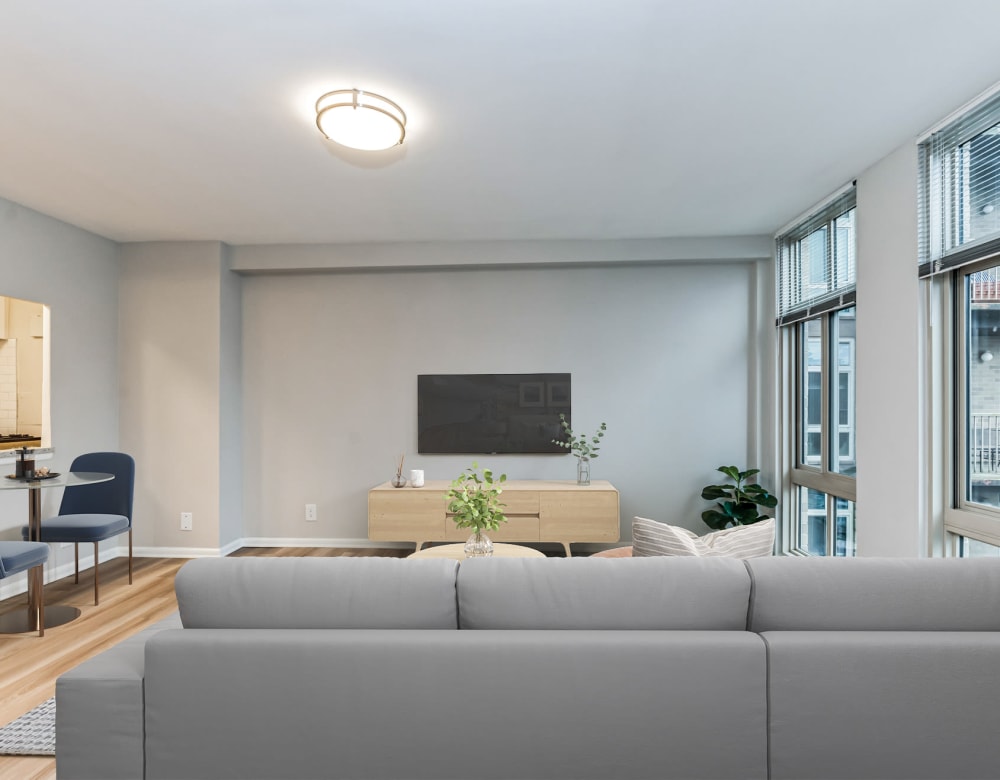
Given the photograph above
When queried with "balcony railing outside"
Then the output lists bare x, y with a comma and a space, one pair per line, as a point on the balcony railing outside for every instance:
984, 444
984, 286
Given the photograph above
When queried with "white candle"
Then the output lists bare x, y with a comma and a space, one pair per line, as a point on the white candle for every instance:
416, 477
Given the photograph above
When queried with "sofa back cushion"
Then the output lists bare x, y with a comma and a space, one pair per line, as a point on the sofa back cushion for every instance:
874, 594
317, 593
603, 593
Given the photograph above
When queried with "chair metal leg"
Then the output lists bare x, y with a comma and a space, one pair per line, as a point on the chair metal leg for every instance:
37, 585
97, 596
41, 601
129, 556
76, 562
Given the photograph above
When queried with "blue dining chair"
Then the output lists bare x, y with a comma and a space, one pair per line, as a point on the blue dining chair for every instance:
16, 557
95, 512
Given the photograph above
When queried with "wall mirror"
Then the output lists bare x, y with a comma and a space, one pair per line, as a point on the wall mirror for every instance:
24, 374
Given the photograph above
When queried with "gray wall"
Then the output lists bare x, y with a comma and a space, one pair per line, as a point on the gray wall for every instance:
891, 513
76, 273
230, 405
330, 364
171, 335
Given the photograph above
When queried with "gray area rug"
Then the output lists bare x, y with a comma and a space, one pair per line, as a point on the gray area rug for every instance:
33, 734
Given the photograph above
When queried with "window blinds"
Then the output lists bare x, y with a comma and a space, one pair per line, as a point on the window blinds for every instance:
816, 262
960, 191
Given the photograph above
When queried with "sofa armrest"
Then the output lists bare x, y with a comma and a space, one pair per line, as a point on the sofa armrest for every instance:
99, 712
886, 704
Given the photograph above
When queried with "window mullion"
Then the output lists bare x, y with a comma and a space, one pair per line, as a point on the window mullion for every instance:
801, 360
800, 390
961, 470
831, 524
824, 416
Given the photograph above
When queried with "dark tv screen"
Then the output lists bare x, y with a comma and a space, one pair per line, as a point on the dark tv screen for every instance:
491, 413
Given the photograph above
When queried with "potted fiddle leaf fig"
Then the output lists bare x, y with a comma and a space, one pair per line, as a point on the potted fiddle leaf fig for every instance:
739, 502
474, 502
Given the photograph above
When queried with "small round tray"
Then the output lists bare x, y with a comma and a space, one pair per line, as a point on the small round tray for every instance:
50, 475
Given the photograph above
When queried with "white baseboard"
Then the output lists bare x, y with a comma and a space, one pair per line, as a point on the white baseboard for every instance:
175, 552
270, 541
187, 552
14, 586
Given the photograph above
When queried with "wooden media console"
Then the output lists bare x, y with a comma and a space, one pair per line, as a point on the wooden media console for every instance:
536, 510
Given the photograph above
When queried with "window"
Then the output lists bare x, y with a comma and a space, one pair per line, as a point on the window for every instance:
960, 249
823, 468
960, 191
825, 523
971, 548
818, 336
816, 262
842, 392
976, 424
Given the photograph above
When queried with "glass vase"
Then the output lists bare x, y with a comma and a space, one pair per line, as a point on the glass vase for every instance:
582, 471
479, 546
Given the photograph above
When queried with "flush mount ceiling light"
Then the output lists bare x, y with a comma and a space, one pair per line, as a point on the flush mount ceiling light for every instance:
360, 120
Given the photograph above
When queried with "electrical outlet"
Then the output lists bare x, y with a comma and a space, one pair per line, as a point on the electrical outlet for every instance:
310, 513
187, 521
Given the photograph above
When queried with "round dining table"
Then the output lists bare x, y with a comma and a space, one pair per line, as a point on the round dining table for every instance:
33, 616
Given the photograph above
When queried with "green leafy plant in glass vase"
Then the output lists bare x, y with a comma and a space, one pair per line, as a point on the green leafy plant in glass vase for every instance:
474, 502
585, 448
740, 501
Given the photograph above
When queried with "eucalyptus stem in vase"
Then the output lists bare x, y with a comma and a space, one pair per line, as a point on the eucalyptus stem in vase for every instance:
585, 448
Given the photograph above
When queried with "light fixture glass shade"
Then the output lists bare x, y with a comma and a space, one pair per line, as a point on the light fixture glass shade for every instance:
360, 120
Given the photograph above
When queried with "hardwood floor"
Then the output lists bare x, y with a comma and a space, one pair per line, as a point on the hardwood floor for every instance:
29, 664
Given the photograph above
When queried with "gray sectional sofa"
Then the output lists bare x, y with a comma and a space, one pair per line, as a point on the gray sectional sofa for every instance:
551, 668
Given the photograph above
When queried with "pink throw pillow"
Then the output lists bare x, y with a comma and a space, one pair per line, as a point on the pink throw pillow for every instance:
616, 552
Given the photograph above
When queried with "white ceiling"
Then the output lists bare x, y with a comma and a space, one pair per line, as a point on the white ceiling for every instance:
529, 119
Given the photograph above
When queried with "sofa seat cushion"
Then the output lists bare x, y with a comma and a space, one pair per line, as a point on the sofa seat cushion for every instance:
598, 593
650, 538
317, 593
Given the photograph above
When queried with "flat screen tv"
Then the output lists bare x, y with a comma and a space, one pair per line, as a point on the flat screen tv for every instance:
483, 414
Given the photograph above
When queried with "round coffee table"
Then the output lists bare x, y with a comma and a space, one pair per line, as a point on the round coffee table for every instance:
457, 551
